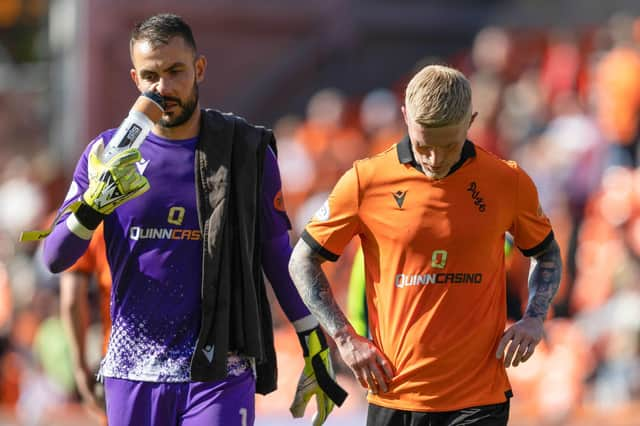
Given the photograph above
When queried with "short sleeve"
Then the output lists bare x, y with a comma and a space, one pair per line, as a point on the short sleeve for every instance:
531, 228
337, 221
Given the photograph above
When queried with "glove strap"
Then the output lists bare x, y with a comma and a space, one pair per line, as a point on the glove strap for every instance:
328, 385
88, 217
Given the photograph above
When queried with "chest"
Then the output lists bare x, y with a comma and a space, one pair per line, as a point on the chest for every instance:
171, 199
415, 212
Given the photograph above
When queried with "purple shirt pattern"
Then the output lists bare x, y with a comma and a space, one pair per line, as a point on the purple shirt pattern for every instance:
152, 244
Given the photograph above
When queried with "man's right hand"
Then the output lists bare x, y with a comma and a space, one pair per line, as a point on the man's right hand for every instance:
115, 182
366, 361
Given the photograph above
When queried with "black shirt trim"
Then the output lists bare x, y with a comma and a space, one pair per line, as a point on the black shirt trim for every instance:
405, 154
316, 247
540, 247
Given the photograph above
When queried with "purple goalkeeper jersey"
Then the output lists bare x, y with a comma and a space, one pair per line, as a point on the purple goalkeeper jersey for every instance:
154, 249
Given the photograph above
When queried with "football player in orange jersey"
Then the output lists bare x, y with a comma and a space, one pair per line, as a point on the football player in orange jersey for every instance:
431, 213
75, 312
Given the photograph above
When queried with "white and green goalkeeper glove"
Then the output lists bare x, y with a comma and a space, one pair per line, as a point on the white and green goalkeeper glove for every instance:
317, 378
115, 182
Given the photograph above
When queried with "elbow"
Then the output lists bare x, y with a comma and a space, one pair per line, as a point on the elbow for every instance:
294, 261
292, 268
54, 264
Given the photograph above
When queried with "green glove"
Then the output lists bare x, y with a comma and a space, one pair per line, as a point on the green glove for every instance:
317, 378
115, 182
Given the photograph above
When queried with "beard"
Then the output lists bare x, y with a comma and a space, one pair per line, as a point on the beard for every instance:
186, 109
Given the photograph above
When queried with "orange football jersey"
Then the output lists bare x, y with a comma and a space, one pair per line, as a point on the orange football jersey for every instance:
435, 268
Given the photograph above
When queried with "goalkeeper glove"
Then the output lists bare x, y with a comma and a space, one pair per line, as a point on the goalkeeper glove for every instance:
317, 378
115, 182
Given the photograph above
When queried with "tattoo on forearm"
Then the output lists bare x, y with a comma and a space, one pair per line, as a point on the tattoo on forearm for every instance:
544, 281
306, 272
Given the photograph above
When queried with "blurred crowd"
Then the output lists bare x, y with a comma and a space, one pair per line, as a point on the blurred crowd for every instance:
563, 103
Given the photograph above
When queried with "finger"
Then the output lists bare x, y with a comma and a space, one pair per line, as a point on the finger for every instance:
97, 148
371, 383
298, 406
361, 378
386, 368
322, 413
379, 378
129, 156
522, 348
531, 348
301, 399
506, 337
513, 346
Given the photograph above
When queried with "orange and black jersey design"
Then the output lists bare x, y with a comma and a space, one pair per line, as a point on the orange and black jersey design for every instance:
434, 265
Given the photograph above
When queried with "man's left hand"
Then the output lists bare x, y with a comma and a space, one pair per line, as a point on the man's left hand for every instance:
522, 338
317, 378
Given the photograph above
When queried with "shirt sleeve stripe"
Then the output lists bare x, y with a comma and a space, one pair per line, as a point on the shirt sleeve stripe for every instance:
540, 247
316, 247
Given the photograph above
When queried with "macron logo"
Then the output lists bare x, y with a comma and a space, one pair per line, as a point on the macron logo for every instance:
142, 165
399, 197
208, 352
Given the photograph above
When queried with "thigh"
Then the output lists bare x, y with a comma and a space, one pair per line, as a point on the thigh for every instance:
226, 402
140, 403
483, 415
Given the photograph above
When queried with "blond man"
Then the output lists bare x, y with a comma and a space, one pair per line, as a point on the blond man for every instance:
431, 213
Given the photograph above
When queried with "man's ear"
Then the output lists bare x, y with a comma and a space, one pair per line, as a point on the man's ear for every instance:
134, 76
201, 67
473, 117
404, 114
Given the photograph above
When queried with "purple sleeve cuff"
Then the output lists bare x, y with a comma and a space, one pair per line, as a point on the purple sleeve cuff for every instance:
62, 248
275, 263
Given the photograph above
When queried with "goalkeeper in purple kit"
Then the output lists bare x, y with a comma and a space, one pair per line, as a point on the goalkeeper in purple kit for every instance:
196, 218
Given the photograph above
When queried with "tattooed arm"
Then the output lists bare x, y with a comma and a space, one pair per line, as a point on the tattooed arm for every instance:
544, 281
367, 362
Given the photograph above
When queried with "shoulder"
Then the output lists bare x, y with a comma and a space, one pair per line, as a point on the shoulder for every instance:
493, 164
378, 164
243, 130
221, 117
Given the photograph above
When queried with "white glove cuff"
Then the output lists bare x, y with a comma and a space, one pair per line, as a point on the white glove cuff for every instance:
305, 323
77, 228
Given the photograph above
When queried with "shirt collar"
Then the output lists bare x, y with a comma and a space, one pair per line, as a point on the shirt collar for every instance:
405, 154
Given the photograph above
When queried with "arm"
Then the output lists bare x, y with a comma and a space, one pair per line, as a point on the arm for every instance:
544, 281
74, 312
275, 258
366, 361
63, 246
318, 377
97, 189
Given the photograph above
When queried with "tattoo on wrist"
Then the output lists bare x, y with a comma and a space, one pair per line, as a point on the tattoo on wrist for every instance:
544, 282
316, 292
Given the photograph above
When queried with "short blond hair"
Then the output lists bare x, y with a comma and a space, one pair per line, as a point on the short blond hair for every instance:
438, 96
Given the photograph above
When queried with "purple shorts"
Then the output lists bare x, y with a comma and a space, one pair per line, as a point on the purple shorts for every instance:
226, 402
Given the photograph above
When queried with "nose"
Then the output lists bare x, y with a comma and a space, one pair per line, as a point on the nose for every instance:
162, 86
433, 157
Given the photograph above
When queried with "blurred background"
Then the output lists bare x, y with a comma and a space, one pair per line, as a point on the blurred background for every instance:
557, 88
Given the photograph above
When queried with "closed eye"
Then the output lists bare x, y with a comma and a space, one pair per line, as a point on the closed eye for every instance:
149, 76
